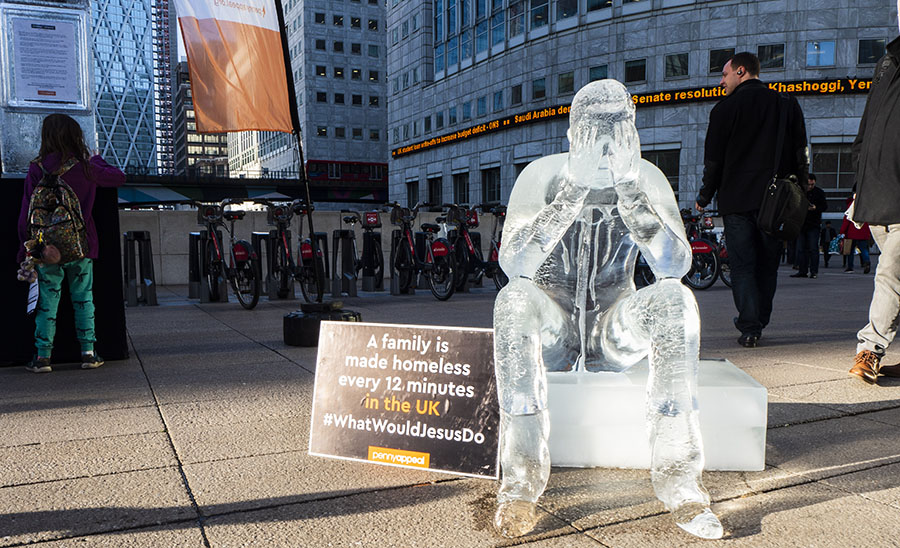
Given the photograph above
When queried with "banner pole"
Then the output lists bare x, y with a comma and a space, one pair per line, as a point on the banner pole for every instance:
295, 121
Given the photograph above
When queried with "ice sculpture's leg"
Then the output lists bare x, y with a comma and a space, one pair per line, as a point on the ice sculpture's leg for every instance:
522, 391
666, 313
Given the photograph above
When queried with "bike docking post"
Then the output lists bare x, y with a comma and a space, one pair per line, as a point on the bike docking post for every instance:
371, 220
395, 276
344, 279
194, 265
204, 287
421, 251
139, 274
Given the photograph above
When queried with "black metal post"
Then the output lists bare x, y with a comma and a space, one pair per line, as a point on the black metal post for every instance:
295, 121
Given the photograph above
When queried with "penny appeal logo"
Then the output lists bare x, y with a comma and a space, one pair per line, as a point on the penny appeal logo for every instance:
240, 6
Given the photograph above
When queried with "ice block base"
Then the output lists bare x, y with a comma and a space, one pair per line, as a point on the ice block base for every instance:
598, 419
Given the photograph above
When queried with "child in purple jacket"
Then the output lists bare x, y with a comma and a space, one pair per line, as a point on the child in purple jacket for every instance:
61, 140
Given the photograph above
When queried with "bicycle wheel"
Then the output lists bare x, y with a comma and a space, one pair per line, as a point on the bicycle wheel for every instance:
461, 274
213, 266
704, 271
281, 272
725, 272
403, 265
500, 278
245, 283
441, 279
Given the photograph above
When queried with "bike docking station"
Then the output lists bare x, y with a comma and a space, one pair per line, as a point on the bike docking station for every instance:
344, 279
140, 284
198, 249
371, 220
264, 243
598, 419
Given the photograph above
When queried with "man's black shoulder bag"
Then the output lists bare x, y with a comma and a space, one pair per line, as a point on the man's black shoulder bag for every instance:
784, 204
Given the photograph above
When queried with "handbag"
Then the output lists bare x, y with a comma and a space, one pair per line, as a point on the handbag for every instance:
847, 246
784, 204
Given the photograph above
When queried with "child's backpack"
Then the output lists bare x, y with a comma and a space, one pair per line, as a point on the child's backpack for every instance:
54, 215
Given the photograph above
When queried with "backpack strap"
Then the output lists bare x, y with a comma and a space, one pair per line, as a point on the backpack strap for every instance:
66, 166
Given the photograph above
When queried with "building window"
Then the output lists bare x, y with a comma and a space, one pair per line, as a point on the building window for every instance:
820, 54
397, 134
319, 18
339, 72
373, 75
373, 24
374, 135
635, 71
539, 88
321, 70
481, 36
481, 106
566, 83
356, 49
435, 192
498, 101
718, 58
338, 20
438, 21
593, 5
373, 50
320, 45
356, 99
461, 188
870, 51
669, 162
358, 134
566, 8
600, 72
771, 56
490, 185
451, 115
465, 45
439, 57
515, 94
427, 124
321, 97
340, 133
439, 120
832, 165
677, 65
540, 13
405, 132
339, 47
497, 30
412, 193
339, 98
405, 29
516, 18
356, 74
334, 170
373, 100
321, 131
467, 110
355, 23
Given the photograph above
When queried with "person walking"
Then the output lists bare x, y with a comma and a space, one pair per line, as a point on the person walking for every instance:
877, 202
63, 152
808, 240
858, 238
739, 158
826, 236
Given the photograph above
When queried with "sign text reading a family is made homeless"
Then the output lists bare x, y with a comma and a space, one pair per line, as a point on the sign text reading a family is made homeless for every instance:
413, 396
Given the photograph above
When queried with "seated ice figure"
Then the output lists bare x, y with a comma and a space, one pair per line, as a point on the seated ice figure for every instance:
575, 223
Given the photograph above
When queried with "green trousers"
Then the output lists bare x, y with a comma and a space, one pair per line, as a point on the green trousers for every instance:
80, 275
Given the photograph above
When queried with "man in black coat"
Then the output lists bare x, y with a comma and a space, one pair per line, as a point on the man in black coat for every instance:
876, 152
808, 240
739, 162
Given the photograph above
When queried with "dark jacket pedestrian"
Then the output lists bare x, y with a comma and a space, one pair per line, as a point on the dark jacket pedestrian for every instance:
808, 240
740, 158
876, 152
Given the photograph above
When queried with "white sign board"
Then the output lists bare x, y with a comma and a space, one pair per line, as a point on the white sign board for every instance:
46, 64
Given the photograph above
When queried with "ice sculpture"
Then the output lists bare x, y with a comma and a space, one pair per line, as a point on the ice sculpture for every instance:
574, 225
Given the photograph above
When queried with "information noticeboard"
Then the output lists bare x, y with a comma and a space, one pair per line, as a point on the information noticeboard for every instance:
413, 396
46, 62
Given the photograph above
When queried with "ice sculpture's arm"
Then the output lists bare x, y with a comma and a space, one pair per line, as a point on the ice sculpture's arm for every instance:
648, 208
543, 205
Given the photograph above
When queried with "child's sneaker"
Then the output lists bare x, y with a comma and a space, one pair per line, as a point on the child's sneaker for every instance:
39, 365
90, 360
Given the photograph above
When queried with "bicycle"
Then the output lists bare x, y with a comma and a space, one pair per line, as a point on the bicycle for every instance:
369, 221
309, 273
242, 268
704, 253
499, 214
438, 264
469, 258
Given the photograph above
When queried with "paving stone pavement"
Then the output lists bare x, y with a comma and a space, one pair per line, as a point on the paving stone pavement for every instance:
200, 437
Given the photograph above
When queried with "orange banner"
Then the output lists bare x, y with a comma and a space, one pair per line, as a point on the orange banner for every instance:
235, 58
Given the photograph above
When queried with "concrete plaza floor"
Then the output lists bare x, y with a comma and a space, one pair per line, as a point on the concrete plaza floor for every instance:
200, 438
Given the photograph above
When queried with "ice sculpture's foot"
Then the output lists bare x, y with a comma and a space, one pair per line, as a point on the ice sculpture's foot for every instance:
515, 518
698, 520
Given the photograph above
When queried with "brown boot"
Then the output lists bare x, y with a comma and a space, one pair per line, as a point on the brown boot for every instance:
866, 366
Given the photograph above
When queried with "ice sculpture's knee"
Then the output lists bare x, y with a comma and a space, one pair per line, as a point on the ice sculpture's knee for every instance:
671, 304
518, 297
